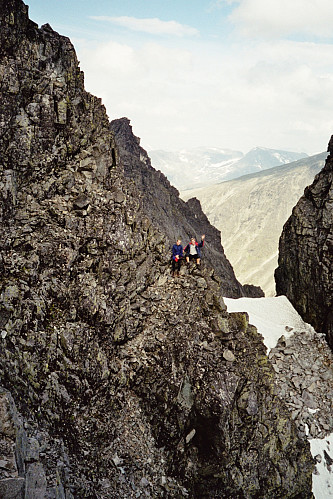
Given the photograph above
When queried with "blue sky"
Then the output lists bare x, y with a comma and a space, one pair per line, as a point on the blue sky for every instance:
74, 15
224, 73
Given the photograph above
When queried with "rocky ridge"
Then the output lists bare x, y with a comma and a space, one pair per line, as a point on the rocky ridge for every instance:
170, 213
127, 383
303, 363
305, 269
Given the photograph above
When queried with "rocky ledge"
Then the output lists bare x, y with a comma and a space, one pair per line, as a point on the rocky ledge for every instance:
175, 217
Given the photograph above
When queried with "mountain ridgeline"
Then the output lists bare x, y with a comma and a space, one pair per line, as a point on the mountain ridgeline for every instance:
305, 271
208, 166
116, 380
170, 213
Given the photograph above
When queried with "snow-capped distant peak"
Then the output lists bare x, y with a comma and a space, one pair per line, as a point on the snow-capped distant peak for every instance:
213, 165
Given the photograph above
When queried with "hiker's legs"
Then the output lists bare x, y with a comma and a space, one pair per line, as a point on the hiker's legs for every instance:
176, 267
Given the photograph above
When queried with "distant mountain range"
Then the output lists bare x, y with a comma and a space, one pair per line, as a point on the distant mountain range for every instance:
250, 212
199, 167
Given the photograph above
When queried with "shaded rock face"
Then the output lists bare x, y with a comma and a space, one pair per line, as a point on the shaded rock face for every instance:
117, 380
253, 291
175, 217
305, 271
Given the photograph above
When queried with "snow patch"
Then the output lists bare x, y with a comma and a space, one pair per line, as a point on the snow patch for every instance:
322, 450
271, 316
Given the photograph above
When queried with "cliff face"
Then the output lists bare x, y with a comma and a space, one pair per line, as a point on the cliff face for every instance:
117, 381
305, 271
175, 217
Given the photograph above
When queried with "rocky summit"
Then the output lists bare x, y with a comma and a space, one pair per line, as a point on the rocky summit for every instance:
117, 381
305, 271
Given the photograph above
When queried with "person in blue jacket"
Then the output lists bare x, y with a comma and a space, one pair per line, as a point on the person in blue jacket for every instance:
193, 249
177, 254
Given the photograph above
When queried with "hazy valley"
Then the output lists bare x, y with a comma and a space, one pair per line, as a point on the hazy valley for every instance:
250, 212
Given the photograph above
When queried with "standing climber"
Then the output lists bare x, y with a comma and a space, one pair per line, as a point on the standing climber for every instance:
192, 250
177, 255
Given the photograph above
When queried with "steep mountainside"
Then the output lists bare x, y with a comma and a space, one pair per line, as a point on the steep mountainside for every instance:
171, 214
250, 213
199, 167
118, 381
305, 272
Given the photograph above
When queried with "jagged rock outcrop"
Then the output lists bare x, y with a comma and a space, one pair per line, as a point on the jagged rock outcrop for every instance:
305, 271
127, 383
168, 211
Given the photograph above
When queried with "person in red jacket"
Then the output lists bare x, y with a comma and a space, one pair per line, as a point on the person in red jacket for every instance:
192, 250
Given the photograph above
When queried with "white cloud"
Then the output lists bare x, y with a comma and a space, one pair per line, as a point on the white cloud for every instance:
280, 18
275, 94
152, 26
219, 3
